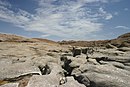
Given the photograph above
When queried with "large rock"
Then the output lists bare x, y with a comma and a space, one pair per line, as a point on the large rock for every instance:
18, 69
54, 79
50, 80
55, 69
70, 63
104, 75
43, 81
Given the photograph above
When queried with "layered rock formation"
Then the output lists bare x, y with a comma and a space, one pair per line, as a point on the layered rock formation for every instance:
26, 62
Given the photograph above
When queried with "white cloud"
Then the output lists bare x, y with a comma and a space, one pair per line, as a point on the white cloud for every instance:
109, 16
104, 14
68, 19
122, 27
45, 35
116, 13
126, 9
5, 3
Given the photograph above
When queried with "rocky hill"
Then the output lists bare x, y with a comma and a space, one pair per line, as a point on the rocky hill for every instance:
16, 38
121, 41
45, 40
26, 62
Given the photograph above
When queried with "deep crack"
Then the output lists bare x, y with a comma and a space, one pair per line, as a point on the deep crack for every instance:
44, 69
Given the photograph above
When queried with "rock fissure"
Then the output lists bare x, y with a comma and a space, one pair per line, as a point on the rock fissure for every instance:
44, 69
45, 64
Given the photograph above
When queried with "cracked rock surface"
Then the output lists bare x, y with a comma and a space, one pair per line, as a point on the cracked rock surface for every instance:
43, 64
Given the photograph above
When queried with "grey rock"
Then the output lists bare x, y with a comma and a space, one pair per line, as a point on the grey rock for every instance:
110, 46
105, 75
83, 79
50, 80
124, 49
10, 85
16, 70
72, 83
44, 81
92, 61
121, 59
56, 69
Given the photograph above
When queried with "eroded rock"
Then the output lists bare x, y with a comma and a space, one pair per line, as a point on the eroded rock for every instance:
16, 70
105, 75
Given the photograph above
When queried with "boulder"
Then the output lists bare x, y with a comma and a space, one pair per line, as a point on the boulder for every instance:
104, 75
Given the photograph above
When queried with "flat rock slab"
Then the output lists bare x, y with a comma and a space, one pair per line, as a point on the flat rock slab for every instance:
16, 70
10, 85
52, 81
43, 81
106, 75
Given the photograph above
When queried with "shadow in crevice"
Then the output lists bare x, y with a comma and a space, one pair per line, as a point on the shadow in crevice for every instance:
45, 70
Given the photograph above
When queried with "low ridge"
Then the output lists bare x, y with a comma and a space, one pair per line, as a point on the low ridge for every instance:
121, 41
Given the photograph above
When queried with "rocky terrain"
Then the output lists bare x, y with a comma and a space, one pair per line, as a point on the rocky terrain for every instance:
121, 41
26, 62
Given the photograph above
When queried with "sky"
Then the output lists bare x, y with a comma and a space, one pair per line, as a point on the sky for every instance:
65, 19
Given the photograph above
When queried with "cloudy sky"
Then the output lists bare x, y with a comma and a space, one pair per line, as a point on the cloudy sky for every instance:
65, 19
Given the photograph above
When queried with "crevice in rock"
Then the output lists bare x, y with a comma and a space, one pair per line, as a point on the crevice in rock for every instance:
44, 69
85, 80
98, 59
102, 59
68, 69
82, 80
66, 65
120, 67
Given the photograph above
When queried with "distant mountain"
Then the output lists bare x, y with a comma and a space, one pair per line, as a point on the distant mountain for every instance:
121, 41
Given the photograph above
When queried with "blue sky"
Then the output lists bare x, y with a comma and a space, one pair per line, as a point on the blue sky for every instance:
65, 19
